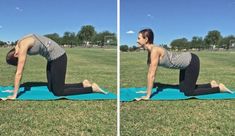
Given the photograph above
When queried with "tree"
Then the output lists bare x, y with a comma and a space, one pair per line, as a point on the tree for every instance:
73, 39
124, 48
105, 38
69, 38
180, 44
2, 43
14, 43
164, 46
66, 38
55, 37
110, 39
133, 48
227, 41
213, 38
197, 42
86, 34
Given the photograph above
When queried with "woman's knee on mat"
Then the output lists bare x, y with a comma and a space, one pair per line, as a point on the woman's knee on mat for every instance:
186, 90
58, 93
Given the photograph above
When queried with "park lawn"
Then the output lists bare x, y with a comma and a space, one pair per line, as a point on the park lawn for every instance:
62, 117
182, 117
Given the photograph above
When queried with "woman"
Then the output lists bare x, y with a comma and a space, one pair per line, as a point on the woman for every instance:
56, 66
188, 63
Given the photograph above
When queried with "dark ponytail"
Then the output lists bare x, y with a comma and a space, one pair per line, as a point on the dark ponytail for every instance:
149, 34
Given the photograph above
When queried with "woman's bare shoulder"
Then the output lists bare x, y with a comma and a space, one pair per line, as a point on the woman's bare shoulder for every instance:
158, 50
26, 41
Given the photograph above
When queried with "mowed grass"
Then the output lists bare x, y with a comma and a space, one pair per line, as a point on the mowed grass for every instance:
62, 117
183, 117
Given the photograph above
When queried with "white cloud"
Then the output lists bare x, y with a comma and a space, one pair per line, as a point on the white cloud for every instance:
151, 16
19, 9
0, 27
130, 32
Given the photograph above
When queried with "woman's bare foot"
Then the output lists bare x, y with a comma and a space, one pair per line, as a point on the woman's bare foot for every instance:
214, 84
97, 89
86, 83
224, 89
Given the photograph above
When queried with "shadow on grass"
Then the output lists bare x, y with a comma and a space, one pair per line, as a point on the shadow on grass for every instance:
27, 86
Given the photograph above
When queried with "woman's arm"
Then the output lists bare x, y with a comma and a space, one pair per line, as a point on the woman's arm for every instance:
22, 54
151, 74
152, 71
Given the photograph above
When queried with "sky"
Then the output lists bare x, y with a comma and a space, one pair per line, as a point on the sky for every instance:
173, 19
21, 17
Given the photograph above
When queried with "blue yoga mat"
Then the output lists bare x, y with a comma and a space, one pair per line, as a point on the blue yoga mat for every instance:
129, 94
42, 93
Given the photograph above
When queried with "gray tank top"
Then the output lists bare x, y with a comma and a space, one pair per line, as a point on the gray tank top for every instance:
45, 47
177, 60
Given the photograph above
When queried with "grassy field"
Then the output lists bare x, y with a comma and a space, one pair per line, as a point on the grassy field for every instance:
185, 117
62, 117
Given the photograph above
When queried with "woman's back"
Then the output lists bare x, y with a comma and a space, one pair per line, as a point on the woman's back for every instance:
45, 47
177, 60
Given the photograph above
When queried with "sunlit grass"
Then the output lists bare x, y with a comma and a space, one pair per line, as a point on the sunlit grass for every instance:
183, 117
62, 117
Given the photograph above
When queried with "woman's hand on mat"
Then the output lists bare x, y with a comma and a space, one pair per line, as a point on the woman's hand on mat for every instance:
143, 98
142, 92
12, 97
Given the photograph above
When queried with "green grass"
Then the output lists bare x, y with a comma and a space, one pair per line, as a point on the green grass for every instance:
62, 117
183, 117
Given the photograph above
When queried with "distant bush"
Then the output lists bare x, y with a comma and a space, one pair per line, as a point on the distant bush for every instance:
124, 48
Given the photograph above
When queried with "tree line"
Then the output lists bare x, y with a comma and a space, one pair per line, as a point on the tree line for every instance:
87, 36
213, 40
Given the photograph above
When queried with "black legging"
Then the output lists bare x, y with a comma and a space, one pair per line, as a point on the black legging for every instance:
56, 70
188, 79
